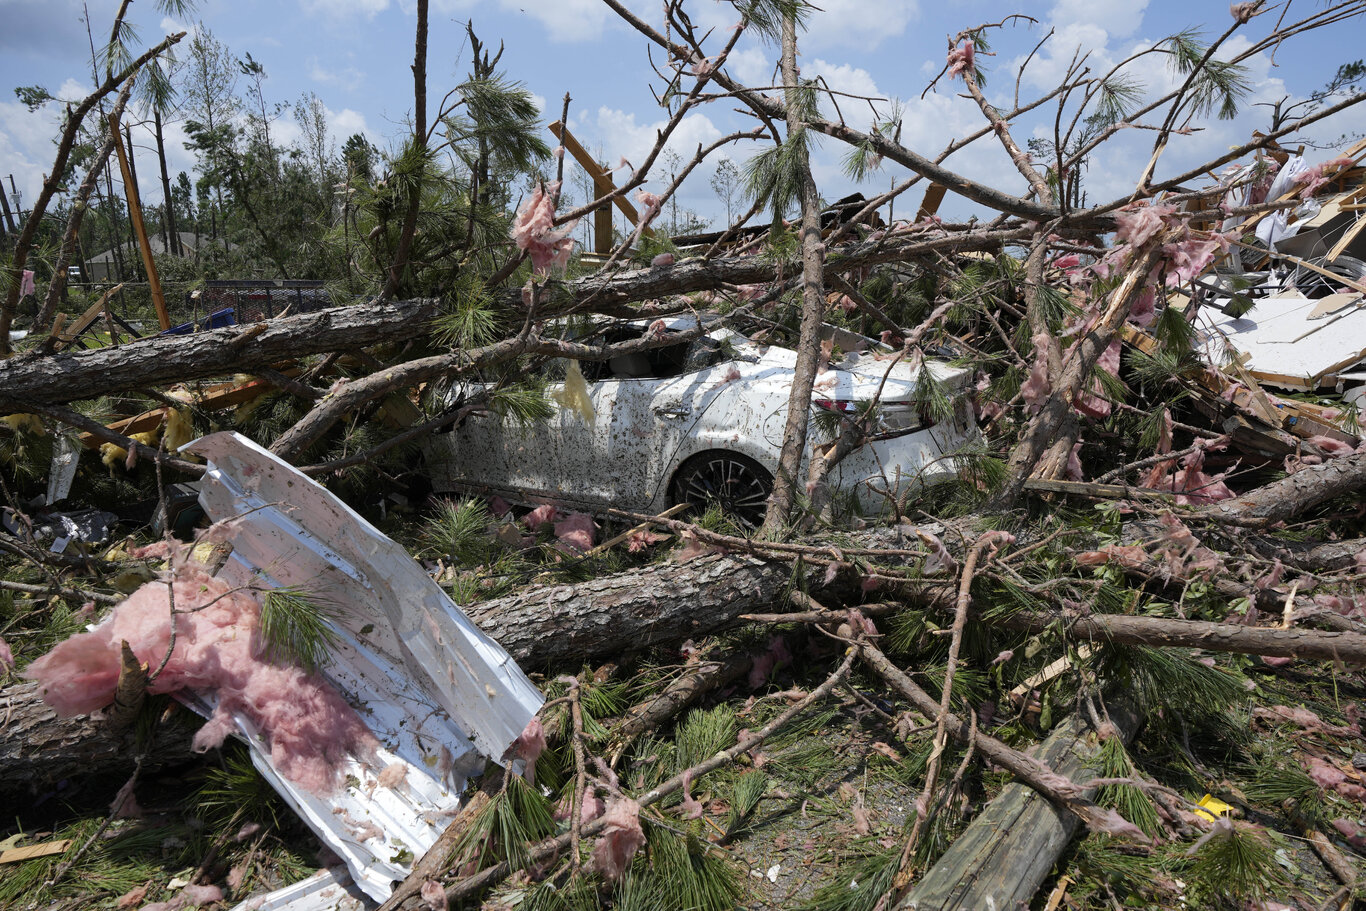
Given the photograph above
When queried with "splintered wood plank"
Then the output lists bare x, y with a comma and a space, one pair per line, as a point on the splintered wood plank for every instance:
47, 849
214, 398
933, 197
1009, 849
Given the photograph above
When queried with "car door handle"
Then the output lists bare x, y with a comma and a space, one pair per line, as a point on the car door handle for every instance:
672, 411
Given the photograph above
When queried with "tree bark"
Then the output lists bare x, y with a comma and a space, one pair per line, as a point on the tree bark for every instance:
566, 625
1008, 850
39, 750
170, 236
1293, 494
409, 229
79, 206
1048, 440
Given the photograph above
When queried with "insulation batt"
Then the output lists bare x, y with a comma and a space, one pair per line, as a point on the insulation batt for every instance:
310, 726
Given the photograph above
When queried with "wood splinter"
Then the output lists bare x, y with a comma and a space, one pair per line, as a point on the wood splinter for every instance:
130, 692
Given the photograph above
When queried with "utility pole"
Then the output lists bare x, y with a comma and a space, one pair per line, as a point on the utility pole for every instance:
130, 187
9, 224
18, 213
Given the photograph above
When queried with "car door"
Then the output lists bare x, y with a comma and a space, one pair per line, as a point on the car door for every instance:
490, 449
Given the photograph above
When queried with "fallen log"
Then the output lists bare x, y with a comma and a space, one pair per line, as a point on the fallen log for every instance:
158, 361
565, 625
1294, 494
562, 625
163, 360
1007, 851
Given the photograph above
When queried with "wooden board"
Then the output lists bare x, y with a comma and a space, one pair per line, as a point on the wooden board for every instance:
47, 849
595, 170
215, 398
930, 205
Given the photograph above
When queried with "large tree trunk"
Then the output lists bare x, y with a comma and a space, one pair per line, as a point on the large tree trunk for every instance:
787, 482
567, 625
560, 625
170, 233
39, 750
149, 362
56, 290
1293, 494
157, 361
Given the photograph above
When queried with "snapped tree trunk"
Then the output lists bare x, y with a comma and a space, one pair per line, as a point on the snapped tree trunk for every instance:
79, 206
567, 625
813, 301
1293, 494
1008, 850
175, 359
170, 233
65, 144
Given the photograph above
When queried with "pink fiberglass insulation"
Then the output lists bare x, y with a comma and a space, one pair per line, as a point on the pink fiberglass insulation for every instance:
217, 651
961, 59
1036, 387
576, 532
620, 839
541, 515
650, 205
534, 230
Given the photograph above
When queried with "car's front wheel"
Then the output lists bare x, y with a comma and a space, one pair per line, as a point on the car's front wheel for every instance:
737, 483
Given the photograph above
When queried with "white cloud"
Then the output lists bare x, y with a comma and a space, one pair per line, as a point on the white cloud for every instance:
752, 65
565, 20
858, 23
849, 80
1118, 18
26, 146
345, 122
612, 134
347, 77
170, 26
620, 136
73, 90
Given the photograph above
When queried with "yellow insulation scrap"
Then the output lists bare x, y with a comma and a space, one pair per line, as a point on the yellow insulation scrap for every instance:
24, 423
179, 430
112, 454
574, 396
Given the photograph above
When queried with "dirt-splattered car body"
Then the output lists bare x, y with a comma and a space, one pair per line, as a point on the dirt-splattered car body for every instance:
706, 416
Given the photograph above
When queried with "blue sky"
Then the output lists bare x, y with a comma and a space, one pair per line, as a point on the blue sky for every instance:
355, 55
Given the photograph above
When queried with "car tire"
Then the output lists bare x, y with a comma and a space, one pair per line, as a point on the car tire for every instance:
736, 482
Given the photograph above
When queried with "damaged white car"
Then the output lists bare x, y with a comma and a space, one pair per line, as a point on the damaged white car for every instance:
701, 422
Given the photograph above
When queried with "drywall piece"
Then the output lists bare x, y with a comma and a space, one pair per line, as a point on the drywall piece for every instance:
438, 693
1335, 303
1285, 343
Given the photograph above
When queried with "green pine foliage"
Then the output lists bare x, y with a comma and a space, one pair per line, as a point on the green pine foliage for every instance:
296, 628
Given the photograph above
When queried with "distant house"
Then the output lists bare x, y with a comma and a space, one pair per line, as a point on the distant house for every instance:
100, 268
